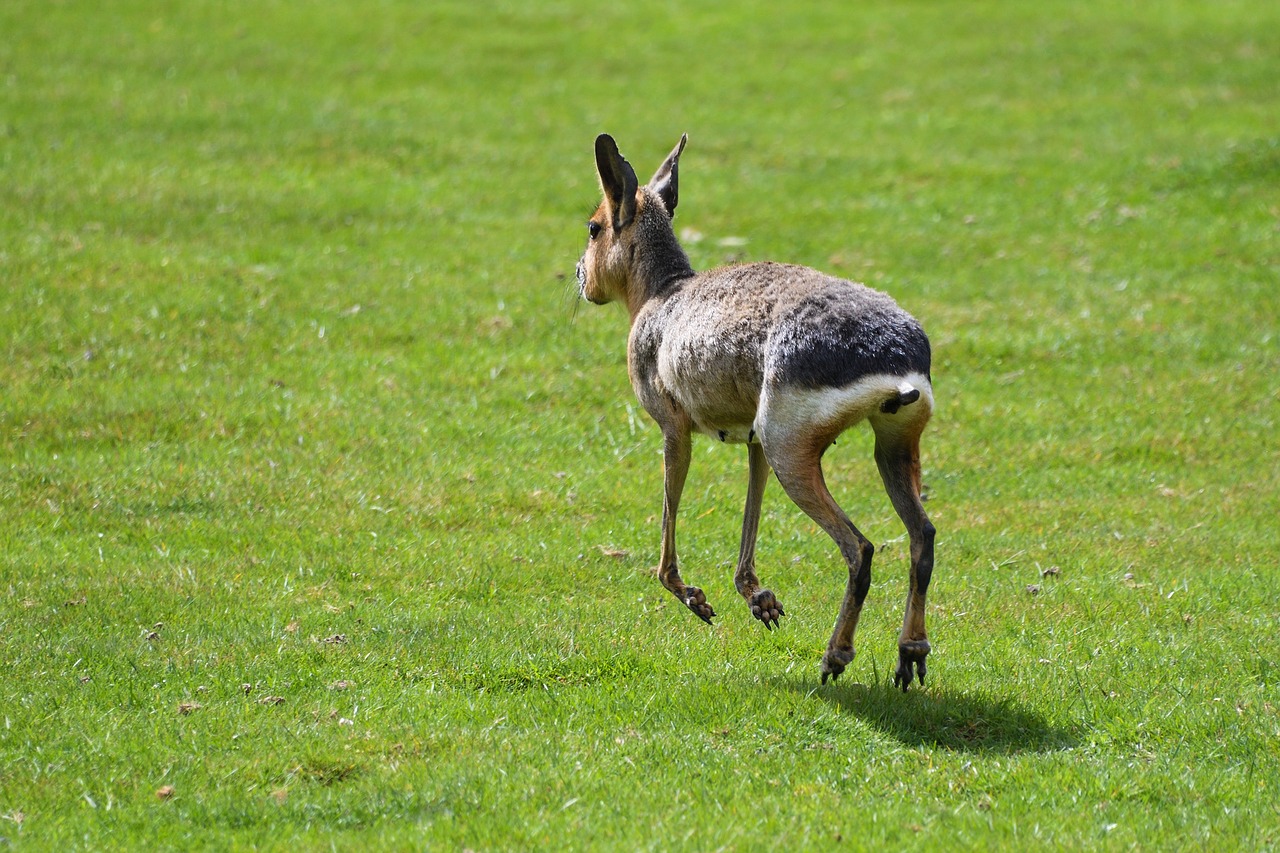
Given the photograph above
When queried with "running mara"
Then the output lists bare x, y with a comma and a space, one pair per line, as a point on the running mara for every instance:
777, 357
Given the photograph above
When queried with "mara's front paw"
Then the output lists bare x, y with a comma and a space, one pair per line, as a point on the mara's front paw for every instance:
910, 654
697, 602
765, 607
834, 662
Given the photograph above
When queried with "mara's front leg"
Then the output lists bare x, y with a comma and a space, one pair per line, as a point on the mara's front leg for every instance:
676, 450
764, 605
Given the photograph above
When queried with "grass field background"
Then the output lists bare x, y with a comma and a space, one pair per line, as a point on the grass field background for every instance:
329, 517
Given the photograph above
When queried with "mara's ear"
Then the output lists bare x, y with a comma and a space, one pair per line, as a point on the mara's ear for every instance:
617, 179
665, 181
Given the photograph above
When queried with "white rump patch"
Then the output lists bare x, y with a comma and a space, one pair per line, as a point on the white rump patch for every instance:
789, 409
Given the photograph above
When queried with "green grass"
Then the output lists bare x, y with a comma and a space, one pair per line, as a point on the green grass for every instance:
296, 404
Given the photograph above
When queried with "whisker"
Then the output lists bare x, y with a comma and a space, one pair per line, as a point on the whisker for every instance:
572, 296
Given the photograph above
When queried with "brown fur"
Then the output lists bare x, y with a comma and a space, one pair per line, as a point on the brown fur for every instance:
782, 358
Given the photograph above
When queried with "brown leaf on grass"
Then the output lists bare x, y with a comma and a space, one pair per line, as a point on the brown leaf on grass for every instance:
165, 792
280, 795
76, 602
342, 685
185, 708
1033, 588
616, 553
151, 635
271, 700
246, 689
1051, 571
292, 627
336, 639
15, 816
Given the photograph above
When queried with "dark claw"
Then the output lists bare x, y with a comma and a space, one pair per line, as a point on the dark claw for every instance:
765, 607
834, 662
697, 602
910, 658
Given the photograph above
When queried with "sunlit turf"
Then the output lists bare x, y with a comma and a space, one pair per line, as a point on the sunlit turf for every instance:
328, 515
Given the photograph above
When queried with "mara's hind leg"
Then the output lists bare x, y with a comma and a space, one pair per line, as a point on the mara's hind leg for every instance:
799, 467
898, 457
764, 606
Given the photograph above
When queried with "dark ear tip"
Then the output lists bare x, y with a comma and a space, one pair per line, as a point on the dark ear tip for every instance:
605, 141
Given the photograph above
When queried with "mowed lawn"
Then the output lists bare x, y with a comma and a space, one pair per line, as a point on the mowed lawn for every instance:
328, 518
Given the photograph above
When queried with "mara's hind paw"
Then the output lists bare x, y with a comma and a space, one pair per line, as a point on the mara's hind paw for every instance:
765, 607
834, 662
694, 599
910, 655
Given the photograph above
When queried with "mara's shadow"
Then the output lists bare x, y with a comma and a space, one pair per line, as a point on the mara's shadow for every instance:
937, 717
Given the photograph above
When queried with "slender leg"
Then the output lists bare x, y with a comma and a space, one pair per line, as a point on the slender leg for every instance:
898, 457
676, 442
800, 472
764, 606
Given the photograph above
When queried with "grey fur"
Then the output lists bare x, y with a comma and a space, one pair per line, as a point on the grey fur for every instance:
780, 357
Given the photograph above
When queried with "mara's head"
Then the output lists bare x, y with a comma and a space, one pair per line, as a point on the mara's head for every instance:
630, 232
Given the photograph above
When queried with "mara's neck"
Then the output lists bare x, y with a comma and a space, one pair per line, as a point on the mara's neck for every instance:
661, 268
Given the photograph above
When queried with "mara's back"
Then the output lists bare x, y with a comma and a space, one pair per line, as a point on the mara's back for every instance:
793, 325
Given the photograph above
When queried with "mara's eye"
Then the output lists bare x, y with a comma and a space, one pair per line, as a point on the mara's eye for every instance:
593, 228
